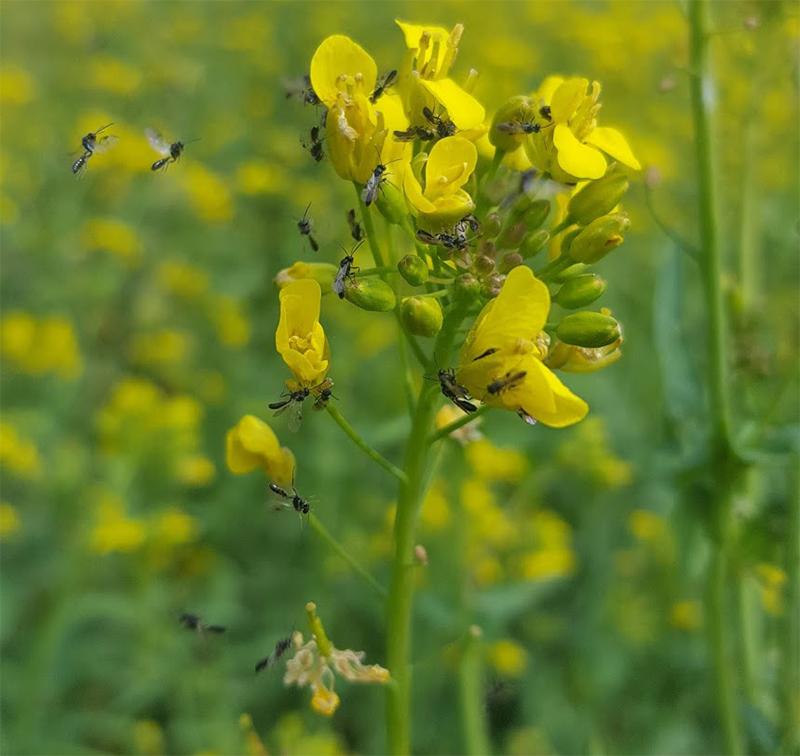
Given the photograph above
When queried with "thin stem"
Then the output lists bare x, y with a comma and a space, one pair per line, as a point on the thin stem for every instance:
401, 591
422, 358
369, 229
666, 229
363, 445
456, 424
791, 647
473, 709
384, 271
323, 533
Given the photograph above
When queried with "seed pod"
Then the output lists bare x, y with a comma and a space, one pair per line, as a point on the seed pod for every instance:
413, 269
534, 242
588, 329
570, 272
598, 197
392, 203
422, 316
602, 235
580, 291
370, 294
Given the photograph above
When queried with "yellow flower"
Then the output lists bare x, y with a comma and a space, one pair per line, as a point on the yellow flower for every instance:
251, 443
300, 338
9, 520
686, 615
38, 347
324, 701
114, 530
17, 86
508, 658
112, 236
443, 201
208, 193
343, 76
196, 470
173, 526
113, 75
182, 279
492, 462
424, 80
503, 343
322, 273
17, 454
232, 325
570, 145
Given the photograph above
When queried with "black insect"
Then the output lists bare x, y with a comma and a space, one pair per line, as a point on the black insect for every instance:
415, 132
91, 144
526, 417
293, 499
323, 393
467, 223
281, 647
301, 89
194, 622
171, 151
304, 225
355, 227
454, 242
346, 271
370, 191
385, 81
546, 113
444, 127
315, 148
291, 400
455, 392
508, 381
519, 127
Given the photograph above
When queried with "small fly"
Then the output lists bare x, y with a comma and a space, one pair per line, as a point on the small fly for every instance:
454, 391
291, 400
293, 499
194, 622
508, 381
454, 242
281, 647
91, 144
171, 151
323, 393
546, 113
415, 132
519, 127
355, 227
315, 148
444, 127
346, 272
370, 191
385, 81
301, 89
304, 226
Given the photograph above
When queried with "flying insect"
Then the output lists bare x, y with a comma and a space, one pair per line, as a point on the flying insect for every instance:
194, 622
171, 151
281, 647
293, 499
304, 225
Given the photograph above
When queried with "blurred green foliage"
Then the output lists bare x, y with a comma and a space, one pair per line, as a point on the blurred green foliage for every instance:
138, 326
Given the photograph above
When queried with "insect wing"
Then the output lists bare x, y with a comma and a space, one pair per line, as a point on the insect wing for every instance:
296, 416
105, 143
157, 142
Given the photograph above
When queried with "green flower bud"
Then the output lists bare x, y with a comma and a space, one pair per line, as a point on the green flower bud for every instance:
491, 226
570, 272
598, 197
588, 329
567, 239
492, 285
484, 265
322, 273
370, 294
414, 269
510, 261
537, 214
602, 235
511, 236
466, 288
534, 242
422, 316
392, 203
518, 109
580, 291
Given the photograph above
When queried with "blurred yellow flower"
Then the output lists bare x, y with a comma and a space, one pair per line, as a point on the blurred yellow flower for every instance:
443, 201
569, 144
252, 444
232, 325
546, 564
209, 195
113, 236
686, 615
148, 738
113, 529
466, 434
47, 345
164, 347
260, 177
772, 580
300, 339
435, 512
109, 74
183, 279
196, 470
503, 343
9, 520
492, 462
508, 658
17, 454
172, 526
17, 86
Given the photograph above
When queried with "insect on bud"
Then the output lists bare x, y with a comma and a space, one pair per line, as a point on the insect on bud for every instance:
413, 269
598, 197
510, 261
517, 110
371, 294
580, 291
602, 235
422, 316
391, 203
588, 329
534, 242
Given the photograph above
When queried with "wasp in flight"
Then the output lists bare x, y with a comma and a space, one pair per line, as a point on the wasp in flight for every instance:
293, 499
91, 144
355, 227
171, 151
304, 226
301, 89
454, 391
346, 271
194, 622
383, 83
281, 647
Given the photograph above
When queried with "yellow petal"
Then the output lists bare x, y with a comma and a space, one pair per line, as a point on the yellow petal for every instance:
280, 469
611, 141
413, 191
462, 108
516, 315
548, 87
337, 59
249, 444
568, 408
567, 98
576, 158
450, 164
449, 209
300, 303
413, 32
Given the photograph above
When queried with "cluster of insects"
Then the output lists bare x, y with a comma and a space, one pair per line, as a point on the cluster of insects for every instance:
195, 623
294, 400
92, 144
438, 127
455, 240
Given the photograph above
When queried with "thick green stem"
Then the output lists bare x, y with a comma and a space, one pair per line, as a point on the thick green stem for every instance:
791, 647
473, 710
401, 591
722, 461
363, 445
323, 533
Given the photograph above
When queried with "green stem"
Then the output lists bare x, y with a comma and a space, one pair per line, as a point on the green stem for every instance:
369, 229
323, 533
363, 445
456, 424
384, 271
722, 462
401, 591
791, 649
473, 710
554, 267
